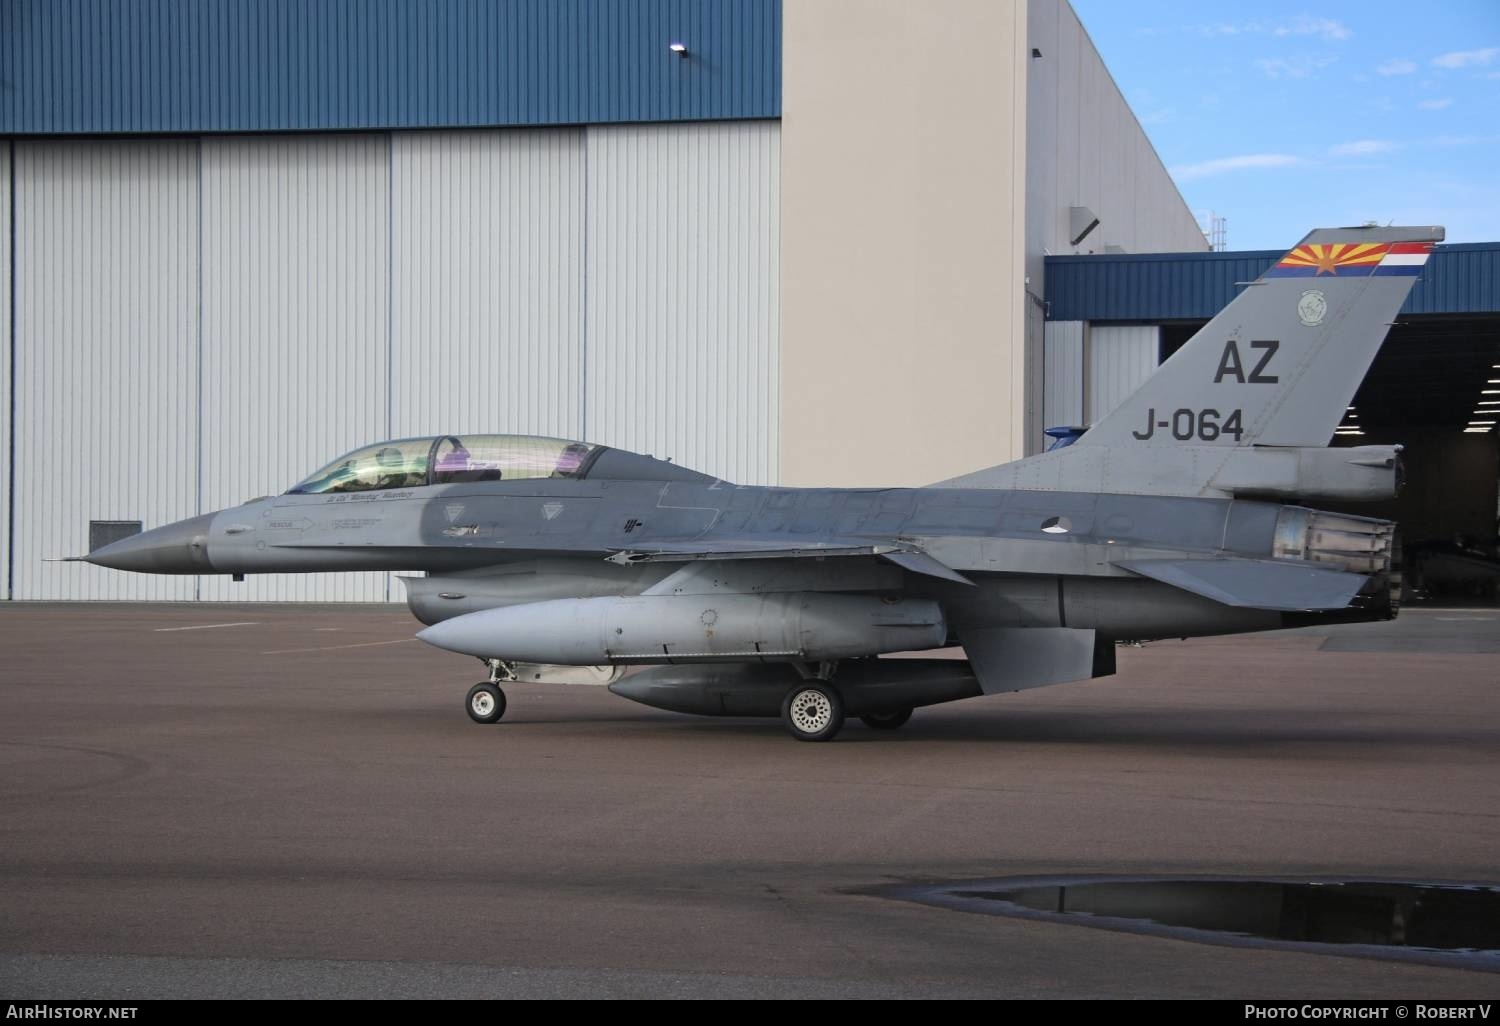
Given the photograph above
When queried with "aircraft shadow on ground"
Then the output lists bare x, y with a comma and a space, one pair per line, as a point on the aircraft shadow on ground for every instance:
1248, 731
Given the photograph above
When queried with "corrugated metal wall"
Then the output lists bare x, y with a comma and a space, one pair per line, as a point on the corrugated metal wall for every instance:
1458, 279
106, 355
258, 305
682, 305
1062, 394
296, 339
103, 66
1462, 278
1120, 358
487, 311
7, 156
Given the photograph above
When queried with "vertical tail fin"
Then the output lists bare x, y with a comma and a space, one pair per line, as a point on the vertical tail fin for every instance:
1279, 365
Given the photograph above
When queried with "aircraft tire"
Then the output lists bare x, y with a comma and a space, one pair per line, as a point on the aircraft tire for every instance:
486, 703
813, 711
887, 721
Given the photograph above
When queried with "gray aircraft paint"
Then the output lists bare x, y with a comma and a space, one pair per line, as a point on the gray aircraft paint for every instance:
1128, 534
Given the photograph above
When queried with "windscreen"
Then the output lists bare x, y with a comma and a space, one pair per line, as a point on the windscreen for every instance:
398, 464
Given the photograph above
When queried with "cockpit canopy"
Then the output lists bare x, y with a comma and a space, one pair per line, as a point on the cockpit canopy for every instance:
449, 459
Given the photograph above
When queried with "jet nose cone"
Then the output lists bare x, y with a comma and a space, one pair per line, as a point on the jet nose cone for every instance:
180, 548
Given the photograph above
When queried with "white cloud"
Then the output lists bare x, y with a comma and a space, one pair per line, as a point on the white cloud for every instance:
1325, 28
1229, 29
1292, 67
1362, 148
1436, 104
1467, 58
1464, 140
1399, 66
1328, 29
1249, 161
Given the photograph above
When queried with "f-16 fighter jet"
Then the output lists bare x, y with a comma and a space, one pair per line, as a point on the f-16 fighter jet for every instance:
1183, 512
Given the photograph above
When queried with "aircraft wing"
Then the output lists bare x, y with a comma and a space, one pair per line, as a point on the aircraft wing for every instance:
1255, 583
906, 556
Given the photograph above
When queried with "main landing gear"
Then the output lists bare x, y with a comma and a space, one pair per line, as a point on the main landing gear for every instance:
813, 711
486, 702
888, 720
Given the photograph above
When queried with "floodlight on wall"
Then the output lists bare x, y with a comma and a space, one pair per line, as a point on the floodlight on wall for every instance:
680, 49
1036, 54
1081, 221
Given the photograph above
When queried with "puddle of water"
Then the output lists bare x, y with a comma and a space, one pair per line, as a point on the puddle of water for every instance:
1438, 923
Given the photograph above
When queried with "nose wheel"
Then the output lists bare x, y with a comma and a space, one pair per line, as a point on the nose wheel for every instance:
486, 703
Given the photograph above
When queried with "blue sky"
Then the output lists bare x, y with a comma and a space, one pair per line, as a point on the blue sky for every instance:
1283, 117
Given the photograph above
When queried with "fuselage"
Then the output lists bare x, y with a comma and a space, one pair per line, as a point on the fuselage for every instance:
1036, 558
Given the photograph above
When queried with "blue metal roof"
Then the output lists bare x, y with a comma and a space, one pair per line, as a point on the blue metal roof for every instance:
1458, 279
106, 66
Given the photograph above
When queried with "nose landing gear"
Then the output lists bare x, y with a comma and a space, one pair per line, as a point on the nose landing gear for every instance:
486, 702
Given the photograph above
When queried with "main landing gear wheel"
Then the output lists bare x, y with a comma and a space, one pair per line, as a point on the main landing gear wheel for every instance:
813, 712
486, 703
887, 721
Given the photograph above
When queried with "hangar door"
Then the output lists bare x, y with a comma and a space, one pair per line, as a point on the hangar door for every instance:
202, 321
1090, 369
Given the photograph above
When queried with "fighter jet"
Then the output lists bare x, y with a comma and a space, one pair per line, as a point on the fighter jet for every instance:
1182, 513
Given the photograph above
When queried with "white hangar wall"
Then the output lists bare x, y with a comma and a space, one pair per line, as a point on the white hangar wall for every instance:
488, 244
1085, 148
106, 355
683, 305
903, 152
295, 295
200, 322
929, 164
7, 160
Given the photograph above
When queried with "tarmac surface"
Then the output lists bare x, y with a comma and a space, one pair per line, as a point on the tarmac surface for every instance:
254, 801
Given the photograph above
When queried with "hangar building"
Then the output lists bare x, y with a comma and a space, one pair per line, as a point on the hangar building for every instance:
796, 243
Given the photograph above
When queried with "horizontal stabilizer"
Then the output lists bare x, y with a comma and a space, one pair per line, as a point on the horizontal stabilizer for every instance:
1255, 583
1017, 658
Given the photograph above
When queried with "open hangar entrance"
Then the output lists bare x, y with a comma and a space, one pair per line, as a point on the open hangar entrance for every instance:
1433, 388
